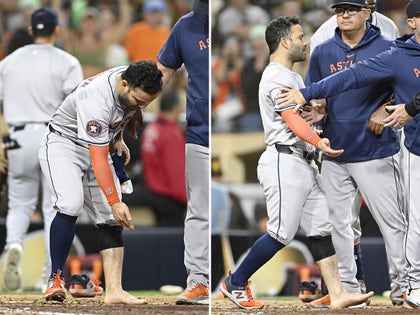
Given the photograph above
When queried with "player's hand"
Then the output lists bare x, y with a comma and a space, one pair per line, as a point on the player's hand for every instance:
376, 121
122, 215
315, 113
398, 118
289, 96
121, 147
324, 146
136, 119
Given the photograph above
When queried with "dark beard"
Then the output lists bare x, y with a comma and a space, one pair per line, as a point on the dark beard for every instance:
124, 104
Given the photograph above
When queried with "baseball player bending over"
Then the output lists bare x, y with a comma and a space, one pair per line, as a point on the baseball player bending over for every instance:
289, 176
75, 159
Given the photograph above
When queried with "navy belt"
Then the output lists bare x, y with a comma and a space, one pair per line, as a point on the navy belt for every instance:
63, 135
54, 131
307, 155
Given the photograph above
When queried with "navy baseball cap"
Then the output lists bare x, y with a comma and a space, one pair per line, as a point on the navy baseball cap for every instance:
356, 3
413, 8
44, 21
201, 7
154, 5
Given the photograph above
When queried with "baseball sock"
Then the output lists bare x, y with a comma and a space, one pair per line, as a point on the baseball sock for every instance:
263, 249
360, 275
61, 237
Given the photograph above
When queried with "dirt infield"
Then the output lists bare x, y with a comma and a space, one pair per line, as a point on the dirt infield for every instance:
36, 304
295, 307
161, 304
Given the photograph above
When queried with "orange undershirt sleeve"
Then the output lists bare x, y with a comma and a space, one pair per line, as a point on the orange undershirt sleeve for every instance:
103, 173
300, 127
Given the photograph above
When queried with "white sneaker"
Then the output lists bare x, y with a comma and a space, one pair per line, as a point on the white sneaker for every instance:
413, 299
12, 276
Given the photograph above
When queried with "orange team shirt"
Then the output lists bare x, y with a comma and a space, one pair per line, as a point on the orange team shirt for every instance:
224, 88
143, 42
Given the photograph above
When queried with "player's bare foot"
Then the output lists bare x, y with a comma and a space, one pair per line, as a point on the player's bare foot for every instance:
346, 299
123, 297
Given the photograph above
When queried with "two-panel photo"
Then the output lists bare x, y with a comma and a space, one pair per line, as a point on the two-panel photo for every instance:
209, 156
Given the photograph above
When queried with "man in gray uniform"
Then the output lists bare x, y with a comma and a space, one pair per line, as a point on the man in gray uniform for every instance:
289, 176
75, 159
33, 82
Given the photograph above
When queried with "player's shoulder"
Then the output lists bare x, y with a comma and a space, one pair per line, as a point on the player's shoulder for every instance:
386, 25
186, 18
324, 31
15, 58
62, 57
61, 52
17, 53
383, 18
276, 75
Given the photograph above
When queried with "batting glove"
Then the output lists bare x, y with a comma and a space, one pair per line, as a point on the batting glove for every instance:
125, 181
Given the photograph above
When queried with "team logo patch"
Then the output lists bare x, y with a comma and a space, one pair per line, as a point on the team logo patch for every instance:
93, 128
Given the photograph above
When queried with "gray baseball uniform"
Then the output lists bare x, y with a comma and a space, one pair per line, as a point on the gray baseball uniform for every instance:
291, 183
33, 82
89, 115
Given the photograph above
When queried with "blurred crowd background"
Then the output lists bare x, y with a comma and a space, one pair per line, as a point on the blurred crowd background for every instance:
239, 52
108, 33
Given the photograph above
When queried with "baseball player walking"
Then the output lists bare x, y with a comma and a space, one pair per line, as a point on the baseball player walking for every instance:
284, 166
188, 44
400, 65
33, 81
75, 159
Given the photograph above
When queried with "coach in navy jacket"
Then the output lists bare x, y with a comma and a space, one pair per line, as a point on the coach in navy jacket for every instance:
346, 125
401, 65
